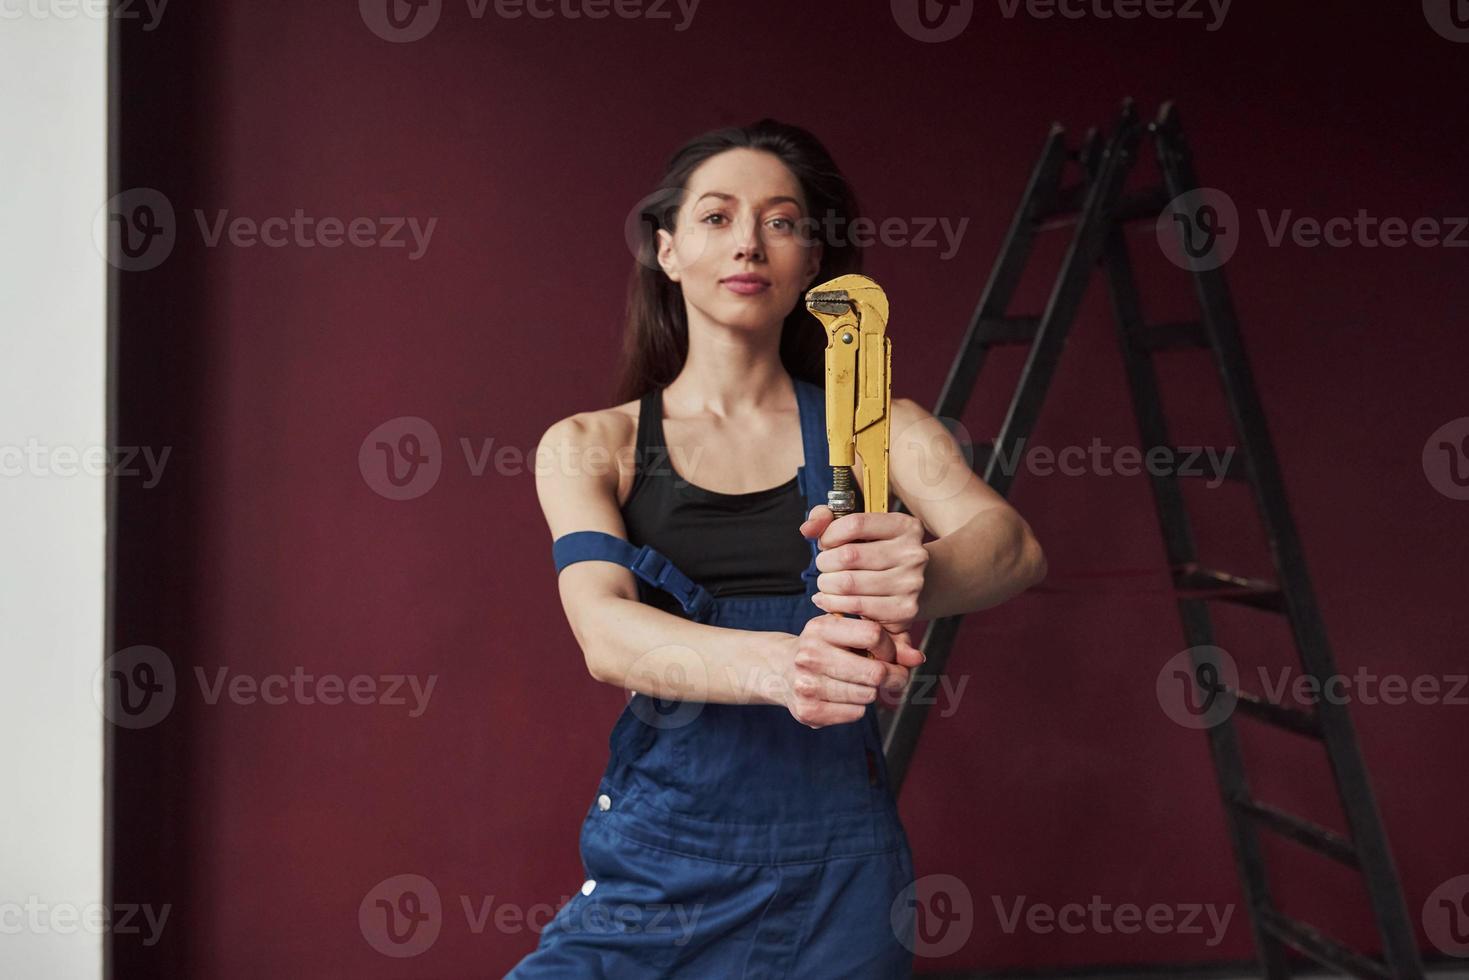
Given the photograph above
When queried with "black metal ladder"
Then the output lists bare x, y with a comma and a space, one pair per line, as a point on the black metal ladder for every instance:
1098, 207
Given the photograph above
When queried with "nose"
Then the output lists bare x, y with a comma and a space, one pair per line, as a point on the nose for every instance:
748, 246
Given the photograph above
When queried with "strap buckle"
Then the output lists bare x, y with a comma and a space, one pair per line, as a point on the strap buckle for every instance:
654, 568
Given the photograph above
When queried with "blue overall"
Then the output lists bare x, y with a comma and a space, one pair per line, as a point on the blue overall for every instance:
730, 840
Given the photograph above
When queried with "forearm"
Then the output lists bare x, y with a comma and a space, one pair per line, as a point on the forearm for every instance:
641, 648
988, 560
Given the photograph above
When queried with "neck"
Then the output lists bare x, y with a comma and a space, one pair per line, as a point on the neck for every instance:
731, 371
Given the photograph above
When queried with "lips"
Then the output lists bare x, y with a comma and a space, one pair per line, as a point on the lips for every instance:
746, 284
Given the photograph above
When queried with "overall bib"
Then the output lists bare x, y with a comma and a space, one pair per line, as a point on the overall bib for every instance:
730, 840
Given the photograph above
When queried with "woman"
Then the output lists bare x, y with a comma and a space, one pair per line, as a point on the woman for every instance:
744, 825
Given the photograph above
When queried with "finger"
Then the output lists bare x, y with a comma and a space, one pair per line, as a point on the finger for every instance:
874, 556
844, 631
885, 649
830, 660
867, 526
820, 714
820, 687
908, 655
883, 608
860, 581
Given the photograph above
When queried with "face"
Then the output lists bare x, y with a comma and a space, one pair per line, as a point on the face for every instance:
739, 251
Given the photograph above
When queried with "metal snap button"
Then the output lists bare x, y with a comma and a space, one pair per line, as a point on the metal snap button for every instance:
587, 886
604, 802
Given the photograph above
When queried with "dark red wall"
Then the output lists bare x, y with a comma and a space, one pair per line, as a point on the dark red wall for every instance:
1058, 777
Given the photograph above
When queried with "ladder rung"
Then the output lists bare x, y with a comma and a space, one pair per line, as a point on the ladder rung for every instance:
1213, 585
1291, 719
1144, 204
1065, 207
1328, 842
1188, 335
1065, 201
1198, 461
997, 330
1321, 948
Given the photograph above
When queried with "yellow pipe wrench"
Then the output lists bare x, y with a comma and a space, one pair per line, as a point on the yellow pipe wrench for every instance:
859, 390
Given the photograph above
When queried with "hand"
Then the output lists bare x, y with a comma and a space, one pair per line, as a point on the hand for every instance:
872, 566
830, 677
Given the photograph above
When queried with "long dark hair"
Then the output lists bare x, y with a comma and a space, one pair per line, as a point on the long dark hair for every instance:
656, 338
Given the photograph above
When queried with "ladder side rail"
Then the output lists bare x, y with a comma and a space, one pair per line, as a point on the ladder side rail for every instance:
1338, 733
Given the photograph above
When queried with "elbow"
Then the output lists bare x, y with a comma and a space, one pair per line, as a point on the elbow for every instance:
1034, 559
588, 622
601, 669
601, 664
1030, 564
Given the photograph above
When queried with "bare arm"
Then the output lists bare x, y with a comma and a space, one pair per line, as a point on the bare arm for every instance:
625, 642
877, 564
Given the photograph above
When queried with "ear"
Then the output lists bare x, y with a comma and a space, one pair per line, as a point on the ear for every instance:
813, 262
666, 256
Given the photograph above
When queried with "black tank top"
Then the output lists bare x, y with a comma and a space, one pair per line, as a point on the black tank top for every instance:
731, 543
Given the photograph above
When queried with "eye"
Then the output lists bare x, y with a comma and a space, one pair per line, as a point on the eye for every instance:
789, 224
711, 214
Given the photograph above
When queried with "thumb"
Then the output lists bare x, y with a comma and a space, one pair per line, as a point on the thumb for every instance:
817, 521
907, 654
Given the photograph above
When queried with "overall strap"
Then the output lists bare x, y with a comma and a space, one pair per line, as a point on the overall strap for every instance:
815, 474
647, 563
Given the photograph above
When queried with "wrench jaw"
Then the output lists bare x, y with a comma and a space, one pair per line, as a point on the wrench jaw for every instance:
853, 310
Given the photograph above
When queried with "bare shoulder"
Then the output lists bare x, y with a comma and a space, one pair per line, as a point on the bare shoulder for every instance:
584, 468
605, 428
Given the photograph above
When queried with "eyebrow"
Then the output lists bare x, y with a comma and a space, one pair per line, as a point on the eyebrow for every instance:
779, 199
